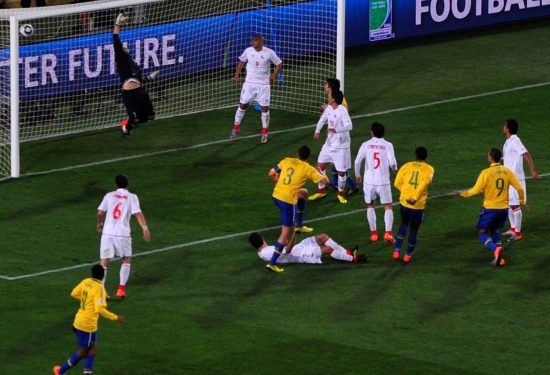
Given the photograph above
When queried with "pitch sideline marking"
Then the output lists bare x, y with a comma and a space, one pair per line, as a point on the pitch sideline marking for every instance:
212, 239
221, 141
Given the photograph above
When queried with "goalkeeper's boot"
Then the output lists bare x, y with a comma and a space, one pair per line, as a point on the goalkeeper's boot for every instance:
388, 237
56, 370
499, 257
235, 132
273, 268
303, 229
321, 193
373, 236
341, 198
121, 292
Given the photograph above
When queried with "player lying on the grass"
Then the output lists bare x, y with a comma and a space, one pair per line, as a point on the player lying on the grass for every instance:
134, 96
257, 84
513, 153
337, 147
379, 158
494, 183
309, 250
113, 222
333, 85
289, 176
412, 181
93, 302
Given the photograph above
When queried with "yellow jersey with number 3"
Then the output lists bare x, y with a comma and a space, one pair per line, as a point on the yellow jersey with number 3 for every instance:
494, 183
293, 174
413, 180
93, 302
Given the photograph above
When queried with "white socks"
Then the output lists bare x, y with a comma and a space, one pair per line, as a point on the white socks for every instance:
388, 220
338, 252
371, 218
239, 115
124, 273
265, 120
320, 185
518, 215
341, 183
104, 276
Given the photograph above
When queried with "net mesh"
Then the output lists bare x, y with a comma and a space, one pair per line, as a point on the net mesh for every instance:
4, 99
68, 81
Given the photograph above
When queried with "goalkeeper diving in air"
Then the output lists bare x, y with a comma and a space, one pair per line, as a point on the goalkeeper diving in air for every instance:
134, 96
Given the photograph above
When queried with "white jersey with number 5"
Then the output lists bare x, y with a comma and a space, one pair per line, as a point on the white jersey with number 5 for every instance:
258, 64
379, 157
119, 206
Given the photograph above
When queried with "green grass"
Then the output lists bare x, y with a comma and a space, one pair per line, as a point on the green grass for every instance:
211, 309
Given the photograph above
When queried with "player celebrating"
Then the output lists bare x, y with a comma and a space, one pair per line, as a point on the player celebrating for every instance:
494, 182
258, 60
135, 97
93, 302
514, 152
379, 159
113, 222
412, 180
289, 176
336, 149
310, 250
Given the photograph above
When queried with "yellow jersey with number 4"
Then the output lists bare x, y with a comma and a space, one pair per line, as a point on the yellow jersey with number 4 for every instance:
93, 302
494, 183
413, 180
293, 174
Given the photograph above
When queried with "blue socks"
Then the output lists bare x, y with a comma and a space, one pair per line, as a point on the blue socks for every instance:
89, 365
278, 250
300, 208
497, 239
412, 243
72, 362
400, 237
349, 181
486, 240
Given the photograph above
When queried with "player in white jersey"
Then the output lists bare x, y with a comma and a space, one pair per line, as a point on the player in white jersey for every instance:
309, 250
257, 85
379, 158
113, 222
513, 154
337, 147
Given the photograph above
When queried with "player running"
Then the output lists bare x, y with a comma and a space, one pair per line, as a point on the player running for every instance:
494, 182
412, 180
289, 175
514, 152
379, 158
135, 97
93, 302
336, 149
257, 85
309, 250
113, 222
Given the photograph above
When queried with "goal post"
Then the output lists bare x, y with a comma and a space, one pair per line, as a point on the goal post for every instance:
61, 79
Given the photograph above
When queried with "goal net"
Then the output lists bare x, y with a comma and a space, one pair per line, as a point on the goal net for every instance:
67, 77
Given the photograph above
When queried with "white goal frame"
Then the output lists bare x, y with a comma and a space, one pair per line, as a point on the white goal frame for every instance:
17, 16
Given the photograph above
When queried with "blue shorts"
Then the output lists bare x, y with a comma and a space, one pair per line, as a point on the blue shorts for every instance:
411, 218
85, 339
287, 212
492, 219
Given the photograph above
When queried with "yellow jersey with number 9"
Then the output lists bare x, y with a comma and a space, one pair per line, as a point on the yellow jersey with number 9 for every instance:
412, 180
293, 174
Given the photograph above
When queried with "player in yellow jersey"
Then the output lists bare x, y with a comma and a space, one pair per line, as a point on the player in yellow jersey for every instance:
412, 180
289, 176
93, 302
494, 183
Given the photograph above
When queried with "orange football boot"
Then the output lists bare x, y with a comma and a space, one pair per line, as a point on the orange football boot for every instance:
374, 236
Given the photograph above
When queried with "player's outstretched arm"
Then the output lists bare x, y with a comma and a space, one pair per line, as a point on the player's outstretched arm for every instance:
478, 188
120, 20
143, 224
100, 220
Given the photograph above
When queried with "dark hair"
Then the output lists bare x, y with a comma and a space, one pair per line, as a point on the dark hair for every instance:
121, 181
98, 272
512, 126
304, 152
338, 96
377, 130
421, 153
333, 83
495, 154
256, 240
257, 36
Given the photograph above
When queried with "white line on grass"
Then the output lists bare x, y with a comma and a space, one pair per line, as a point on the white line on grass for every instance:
221, 141
208, 240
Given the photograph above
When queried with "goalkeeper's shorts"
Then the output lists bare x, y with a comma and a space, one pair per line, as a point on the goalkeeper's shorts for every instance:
139, 106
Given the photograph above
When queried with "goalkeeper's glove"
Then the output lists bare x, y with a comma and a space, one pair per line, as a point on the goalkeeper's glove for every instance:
121, 19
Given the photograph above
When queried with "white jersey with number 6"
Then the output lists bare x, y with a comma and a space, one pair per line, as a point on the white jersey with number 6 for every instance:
119, 206
379, 157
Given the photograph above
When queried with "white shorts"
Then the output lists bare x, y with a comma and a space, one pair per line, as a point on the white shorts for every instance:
514, 196
253, 92
340, 157
306, 251
112, 246
381, 191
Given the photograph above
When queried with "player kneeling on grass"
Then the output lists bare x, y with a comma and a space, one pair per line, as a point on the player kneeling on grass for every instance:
93, 302
494, 183
289, 175
309, 250
257, 85
412, 181
135, 97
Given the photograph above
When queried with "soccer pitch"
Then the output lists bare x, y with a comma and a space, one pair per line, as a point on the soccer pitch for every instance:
199, 300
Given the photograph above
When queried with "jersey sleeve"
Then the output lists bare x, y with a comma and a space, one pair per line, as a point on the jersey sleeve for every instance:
345, 124
77, 292
274, 58
322, 121
314, 175
100, 305
134, 201
391, 157
361, 155
519, 147
398, 183
244, 56
103, 205
478, 188
425, 181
